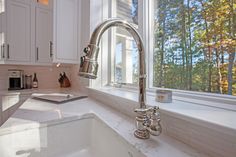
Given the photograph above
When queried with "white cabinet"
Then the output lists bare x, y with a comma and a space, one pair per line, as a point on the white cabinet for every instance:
66, 31
39, 32
44, 35
2, 32
8, 105
18, 37
2, 37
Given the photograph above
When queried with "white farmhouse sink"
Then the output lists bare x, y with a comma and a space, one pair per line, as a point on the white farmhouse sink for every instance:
84, 137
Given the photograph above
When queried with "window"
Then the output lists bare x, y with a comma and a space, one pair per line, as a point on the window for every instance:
194, 45
191, 44
125, 49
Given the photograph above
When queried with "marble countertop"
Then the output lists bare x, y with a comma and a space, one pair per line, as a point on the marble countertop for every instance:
34, 112
189, 109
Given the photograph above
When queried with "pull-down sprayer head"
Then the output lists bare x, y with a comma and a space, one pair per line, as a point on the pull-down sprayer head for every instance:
88, 63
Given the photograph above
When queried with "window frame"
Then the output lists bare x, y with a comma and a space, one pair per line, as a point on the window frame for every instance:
145, 29
112, 42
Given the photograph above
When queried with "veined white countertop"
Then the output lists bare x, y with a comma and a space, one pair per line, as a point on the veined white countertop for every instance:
35, 112
185, 108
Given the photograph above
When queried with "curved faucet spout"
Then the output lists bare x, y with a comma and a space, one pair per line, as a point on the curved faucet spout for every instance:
147, 119
89, 65
98, 32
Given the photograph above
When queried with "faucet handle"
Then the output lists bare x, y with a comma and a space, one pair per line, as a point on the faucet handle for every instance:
86, 50
154, 109
82, 59
155, 126
155, 113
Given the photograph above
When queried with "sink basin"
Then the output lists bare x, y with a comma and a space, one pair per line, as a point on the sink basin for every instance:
78, 137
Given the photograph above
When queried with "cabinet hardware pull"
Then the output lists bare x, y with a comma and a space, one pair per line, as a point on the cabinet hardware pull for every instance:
8, 51
2, 50
50, 49
37, 53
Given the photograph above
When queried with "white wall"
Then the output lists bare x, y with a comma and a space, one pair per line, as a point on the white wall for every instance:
91, 14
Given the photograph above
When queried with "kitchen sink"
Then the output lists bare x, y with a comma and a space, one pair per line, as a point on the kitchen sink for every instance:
77, 137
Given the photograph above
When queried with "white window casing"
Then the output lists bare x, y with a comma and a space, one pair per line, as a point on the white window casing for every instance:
145, 28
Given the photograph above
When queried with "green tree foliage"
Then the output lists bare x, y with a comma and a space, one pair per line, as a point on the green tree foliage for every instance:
195, 45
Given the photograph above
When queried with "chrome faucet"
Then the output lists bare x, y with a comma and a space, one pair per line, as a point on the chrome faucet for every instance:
147, 119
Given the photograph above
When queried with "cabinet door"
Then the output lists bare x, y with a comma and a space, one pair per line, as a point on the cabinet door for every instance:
66, 31
2, 31
2, 39
44, 35
18, 31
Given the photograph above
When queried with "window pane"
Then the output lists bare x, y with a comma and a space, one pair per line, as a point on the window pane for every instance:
125, 48
194, 45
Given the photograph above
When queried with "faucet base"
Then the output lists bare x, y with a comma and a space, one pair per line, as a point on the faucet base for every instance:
142, 134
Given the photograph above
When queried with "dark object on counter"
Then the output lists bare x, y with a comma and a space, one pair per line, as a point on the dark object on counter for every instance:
64, 81
16, 79
35, 81
60, 80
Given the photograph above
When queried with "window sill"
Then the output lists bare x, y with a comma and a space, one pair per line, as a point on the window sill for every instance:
193, 110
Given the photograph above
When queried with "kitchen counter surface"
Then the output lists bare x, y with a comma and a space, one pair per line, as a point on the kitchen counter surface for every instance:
33, 112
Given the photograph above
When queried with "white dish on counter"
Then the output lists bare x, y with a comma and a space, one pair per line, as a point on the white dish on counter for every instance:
57, 97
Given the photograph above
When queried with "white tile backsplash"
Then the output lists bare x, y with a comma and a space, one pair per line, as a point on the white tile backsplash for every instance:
47, 75
78, 83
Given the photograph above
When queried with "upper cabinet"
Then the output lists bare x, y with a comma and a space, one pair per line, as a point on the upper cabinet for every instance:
39, 32
2, 32
18, 36
66, 31
44, 35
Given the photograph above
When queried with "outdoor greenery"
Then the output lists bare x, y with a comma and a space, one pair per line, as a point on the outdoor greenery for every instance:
195, 44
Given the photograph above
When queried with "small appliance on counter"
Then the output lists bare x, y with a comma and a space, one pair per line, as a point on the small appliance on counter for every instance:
16, 79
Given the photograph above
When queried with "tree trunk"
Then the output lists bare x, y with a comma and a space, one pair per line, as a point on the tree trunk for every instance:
183, 46
219, 76
190, 47
230, 71
208, 49
222, 51
232, 25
